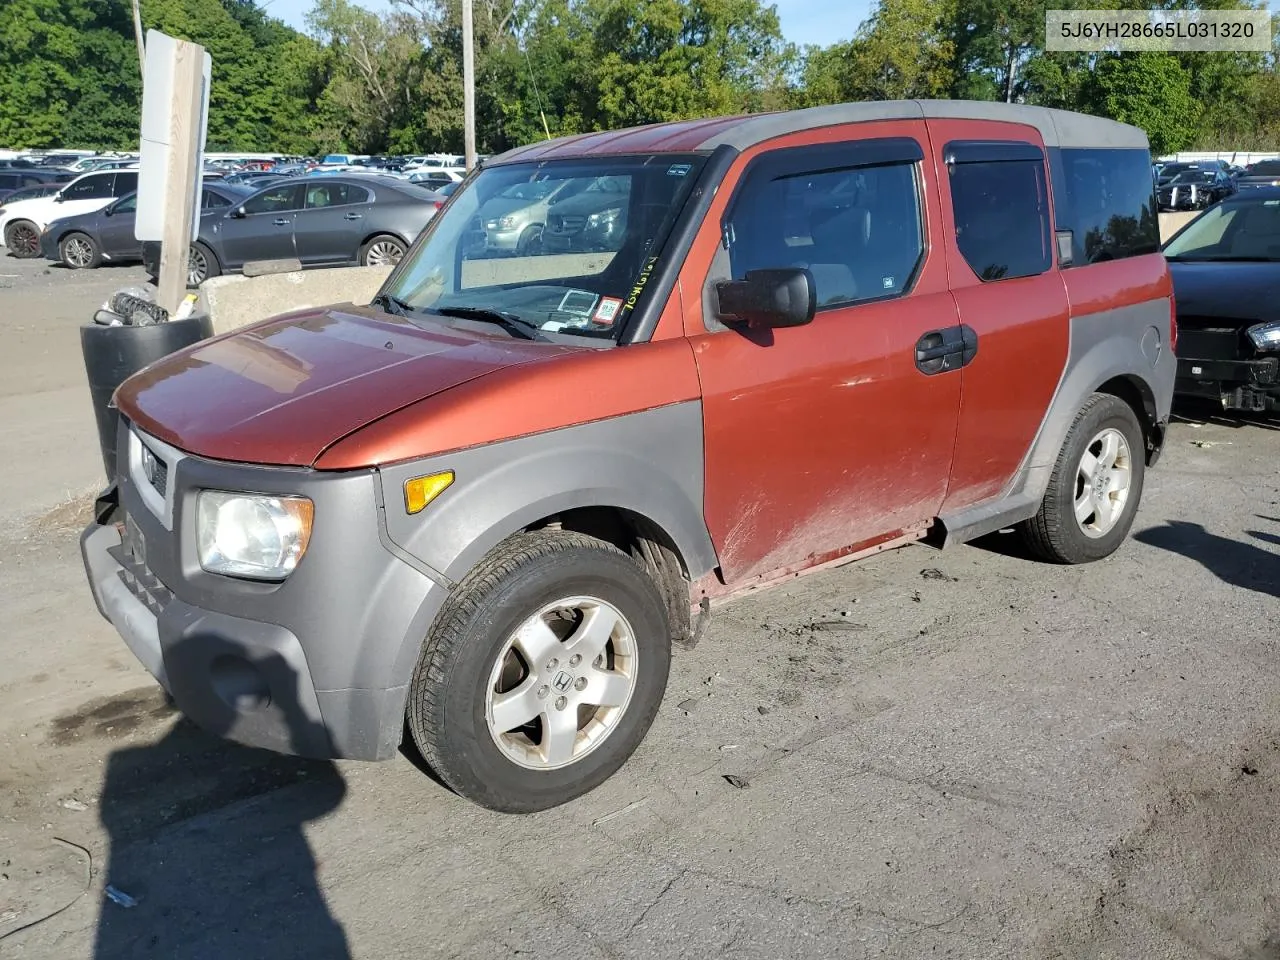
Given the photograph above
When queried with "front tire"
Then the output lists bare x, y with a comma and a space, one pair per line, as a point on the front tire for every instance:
1095, 488
79, 251
542, 674
22, 237
202, 264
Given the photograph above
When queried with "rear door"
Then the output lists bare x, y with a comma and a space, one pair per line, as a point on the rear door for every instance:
833, 435
265, 232
332, 222
998, 236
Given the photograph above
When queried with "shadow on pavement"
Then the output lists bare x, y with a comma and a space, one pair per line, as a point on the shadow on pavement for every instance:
207, 837
1239, 564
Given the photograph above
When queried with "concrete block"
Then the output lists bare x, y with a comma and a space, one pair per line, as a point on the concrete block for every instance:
236, 301
1171, 223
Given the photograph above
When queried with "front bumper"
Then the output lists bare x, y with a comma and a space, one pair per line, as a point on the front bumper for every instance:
1250, 385
316, 666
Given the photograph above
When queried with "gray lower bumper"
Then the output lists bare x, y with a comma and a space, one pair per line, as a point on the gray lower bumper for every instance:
241, 679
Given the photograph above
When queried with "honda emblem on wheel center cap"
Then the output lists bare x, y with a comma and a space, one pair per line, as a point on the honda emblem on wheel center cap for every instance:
563, 681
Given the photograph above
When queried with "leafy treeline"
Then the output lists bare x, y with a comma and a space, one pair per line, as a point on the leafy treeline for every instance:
393, 83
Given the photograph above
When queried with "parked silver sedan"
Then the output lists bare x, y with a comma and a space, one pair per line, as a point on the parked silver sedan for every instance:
513, 220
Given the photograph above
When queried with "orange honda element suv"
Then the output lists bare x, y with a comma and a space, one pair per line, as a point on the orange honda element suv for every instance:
487, 505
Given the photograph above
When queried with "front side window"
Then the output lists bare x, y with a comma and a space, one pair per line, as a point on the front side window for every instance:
857, 230
128, 205
90, 188
1001, 210
275, 200
564, 247
1107, 201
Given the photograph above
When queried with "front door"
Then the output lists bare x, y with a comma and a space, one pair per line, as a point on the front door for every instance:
265, 232
115, 232
828, 436
332, 222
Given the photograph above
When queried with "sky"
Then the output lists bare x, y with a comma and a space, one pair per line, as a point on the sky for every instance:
803, 21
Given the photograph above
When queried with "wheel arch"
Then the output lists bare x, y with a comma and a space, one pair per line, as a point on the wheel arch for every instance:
370, 237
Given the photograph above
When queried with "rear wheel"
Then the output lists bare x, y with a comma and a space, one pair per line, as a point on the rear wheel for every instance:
542, 674
79, 251
383, 250
201, 264
23, 239
1095, 487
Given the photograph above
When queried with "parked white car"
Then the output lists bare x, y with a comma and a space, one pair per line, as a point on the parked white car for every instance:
22, 223
433, 178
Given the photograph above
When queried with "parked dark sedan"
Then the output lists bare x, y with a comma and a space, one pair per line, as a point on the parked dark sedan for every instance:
13, 180
1225, 266
1264, 173
363, 219
87, 240
1194, 189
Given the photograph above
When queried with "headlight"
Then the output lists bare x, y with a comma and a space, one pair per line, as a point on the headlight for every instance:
246, 535
604, 217
1265, 336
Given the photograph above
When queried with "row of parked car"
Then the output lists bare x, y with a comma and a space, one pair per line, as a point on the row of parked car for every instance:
365, 219
1200, 184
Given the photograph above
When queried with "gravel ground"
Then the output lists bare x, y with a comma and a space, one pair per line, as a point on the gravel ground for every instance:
960, 754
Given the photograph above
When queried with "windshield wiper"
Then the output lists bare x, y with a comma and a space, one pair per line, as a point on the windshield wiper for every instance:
391, 304
508, 321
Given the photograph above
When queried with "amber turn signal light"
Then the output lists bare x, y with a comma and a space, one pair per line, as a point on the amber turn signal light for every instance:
420, 491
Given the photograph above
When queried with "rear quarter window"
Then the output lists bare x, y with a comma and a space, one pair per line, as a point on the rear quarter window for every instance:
1107, 200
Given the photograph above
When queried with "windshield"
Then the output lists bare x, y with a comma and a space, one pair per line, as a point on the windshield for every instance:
1193, 176
1265, 168
563, 248
1231, 231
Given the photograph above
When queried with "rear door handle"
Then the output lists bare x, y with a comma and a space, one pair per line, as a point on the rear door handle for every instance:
280, 222
354, 216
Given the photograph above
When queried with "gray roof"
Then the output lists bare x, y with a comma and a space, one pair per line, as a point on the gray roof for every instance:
1058, 128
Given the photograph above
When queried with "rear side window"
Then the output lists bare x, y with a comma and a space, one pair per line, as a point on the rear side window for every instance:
1107, 200
1001, 209
8, 181
126, 182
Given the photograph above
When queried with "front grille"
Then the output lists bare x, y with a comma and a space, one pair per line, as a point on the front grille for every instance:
159, 478
1212, 338
566, 225
137, 576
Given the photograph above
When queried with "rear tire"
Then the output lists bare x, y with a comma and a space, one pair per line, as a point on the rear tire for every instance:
383, 250
522, 637
23, 239
1095, 488
202, 264
79, 251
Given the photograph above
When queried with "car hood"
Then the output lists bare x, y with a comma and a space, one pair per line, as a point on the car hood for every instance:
282, 391
1244, 291
81, 221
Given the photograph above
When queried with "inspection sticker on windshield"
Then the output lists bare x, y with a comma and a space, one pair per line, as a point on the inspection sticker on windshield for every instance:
679, 169
607, 311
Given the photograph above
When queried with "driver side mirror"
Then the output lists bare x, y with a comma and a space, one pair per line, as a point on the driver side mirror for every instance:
109, 211
768, 298
238, 213
58, 197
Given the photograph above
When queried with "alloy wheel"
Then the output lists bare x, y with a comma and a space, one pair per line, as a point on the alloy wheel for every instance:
561, 683
78, 252
384, 253
1103, 478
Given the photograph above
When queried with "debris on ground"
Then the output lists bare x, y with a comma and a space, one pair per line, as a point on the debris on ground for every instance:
1206, 444
688, 705
633, 805
736, 781
119, 896
73, 804
933, 573
762, 710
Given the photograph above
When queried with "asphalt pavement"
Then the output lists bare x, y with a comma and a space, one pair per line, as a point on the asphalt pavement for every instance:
960, 754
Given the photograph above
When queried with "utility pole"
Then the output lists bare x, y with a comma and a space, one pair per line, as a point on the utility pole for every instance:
137, 33
469, 84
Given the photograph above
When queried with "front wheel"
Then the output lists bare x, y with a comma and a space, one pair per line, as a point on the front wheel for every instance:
543, 672
201, 265
79, 251
1095, 488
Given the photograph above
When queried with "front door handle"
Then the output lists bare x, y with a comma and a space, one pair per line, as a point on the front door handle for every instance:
354, 216
950, 348
280, 222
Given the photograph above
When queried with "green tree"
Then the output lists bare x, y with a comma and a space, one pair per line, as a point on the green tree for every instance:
1150, 90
